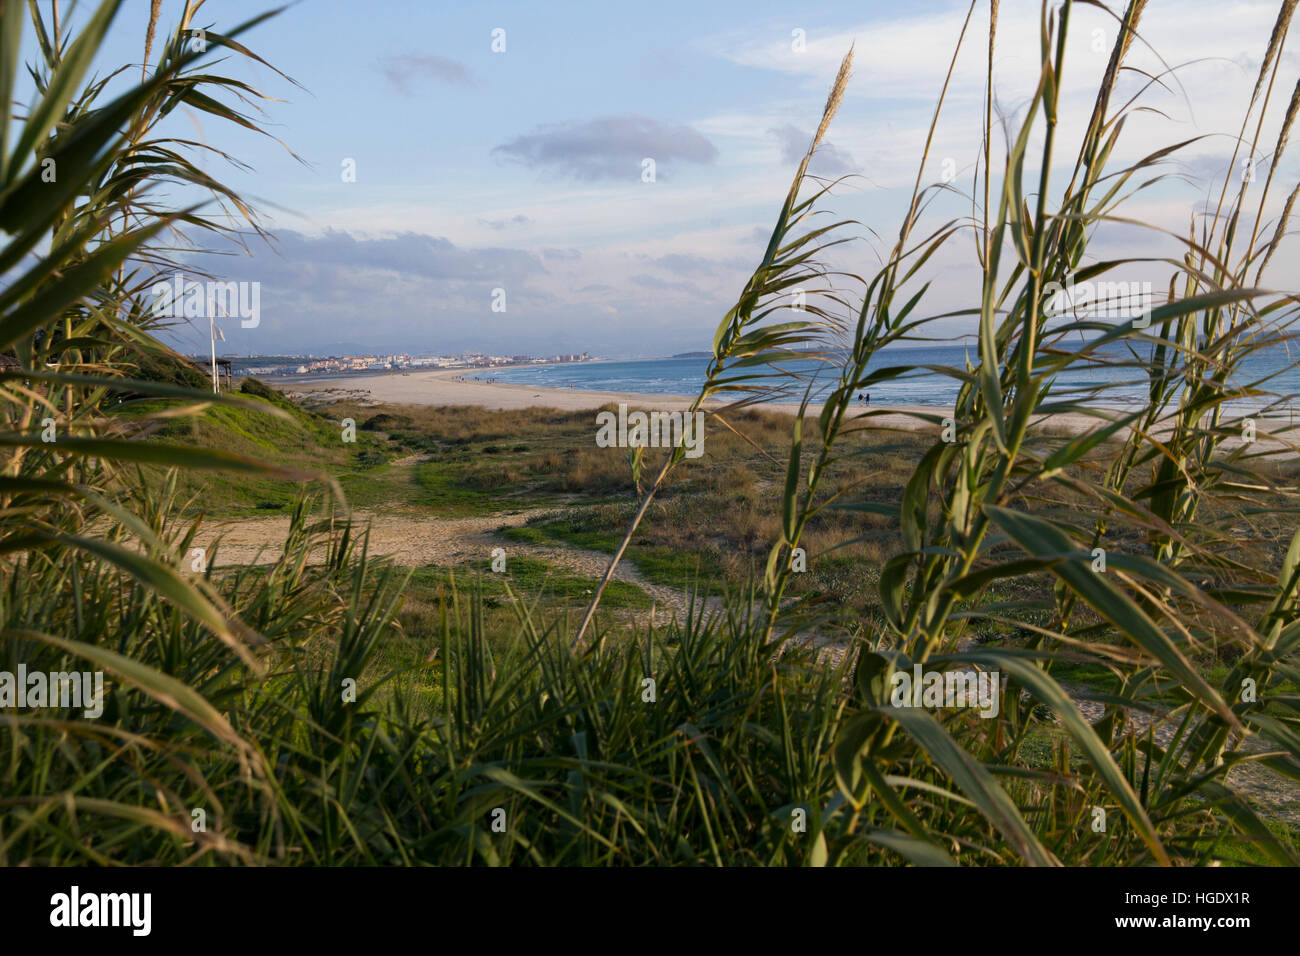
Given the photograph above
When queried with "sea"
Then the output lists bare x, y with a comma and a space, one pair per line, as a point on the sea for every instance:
1122, 387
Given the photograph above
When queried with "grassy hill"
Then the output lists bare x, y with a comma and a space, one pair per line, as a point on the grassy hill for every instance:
294, 438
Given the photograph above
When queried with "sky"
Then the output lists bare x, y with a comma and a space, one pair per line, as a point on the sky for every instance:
522, 168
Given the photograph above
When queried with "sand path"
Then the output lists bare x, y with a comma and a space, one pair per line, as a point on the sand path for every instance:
414, 541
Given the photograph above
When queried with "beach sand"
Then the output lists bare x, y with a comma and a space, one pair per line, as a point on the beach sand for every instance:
450, 387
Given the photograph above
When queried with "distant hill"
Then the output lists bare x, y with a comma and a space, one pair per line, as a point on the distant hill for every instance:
693, 355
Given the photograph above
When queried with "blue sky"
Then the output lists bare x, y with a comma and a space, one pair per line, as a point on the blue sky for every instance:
522, 169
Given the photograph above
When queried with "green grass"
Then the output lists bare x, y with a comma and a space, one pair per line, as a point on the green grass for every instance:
530, 578
575, 530
444, 488
303, 441
453, 485
684, 570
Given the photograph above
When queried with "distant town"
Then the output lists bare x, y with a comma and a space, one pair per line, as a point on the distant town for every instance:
283, 365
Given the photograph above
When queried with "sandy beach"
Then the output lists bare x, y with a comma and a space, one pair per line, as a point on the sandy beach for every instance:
450, 387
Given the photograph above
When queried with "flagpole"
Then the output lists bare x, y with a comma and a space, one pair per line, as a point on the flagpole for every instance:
212, 334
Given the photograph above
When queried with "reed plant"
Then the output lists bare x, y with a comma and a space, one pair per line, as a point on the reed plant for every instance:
994, 499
